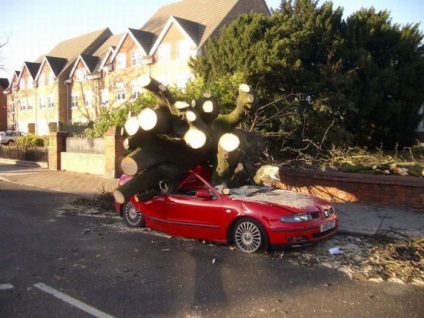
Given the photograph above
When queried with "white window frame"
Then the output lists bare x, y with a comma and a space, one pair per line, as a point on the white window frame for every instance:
81, 74
104, 97
29, 104
120, 92
50, 102
136, 57
183, 50
22, 83
42, 101
164, 52
121, 61
74, 101
23, 102
136, 89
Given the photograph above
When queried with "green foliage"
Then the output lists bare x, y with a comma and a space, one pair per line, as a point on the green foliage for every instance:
323, 81
33, 140
109, 118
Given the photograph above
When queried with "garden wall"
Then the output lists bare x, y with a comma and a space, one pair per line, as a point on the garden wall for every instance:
402, 191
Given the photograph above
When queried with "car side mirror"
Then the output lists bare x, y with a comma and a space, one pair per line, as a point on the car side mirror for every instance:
203, 194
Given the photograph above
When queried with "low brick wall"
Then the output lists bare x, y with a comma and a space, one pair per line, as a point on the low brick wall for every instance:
83, 163
352, 187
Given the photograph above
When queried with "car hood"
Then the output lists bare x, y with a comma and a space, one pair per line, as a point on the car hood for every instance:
294, 201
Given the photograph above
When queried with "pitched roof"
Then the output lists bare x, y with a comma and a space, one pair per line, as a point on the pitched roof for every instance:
105, 49
90, 61
56, 64
210, 14
85, 44
145, 39
32, 68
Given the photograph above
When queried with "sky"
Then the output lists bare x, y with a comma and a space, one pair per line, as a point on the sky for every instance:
33, 28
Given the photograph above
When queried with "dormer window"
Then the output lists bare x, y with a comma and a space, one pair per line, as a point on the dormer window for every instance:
136, 57
121, 61
164, 52
81, 74
183, 50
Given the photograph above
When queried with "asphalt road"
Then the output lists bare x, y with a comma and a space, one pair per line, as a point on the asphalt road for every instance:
58, 262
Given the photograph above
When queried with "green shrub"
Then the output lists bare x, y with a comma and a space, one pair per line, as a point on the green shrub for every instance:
33, 140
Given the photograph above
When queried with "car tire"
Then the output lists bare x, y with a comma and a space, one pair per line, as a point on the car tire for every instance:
132, 216
249, 236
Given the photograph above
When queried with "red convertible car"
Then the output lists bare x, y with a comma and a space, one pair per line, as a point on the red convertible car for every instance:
251, 217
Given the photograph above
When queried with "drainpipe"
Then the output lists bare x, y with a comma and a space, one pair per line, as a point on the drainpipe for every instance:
67, 83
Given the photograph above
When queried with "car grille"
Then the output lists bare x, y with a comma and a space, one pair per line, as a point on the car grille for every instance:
315, 215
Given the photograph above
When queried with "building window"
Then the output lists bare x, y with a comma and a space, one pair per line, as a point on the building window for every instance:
135, 89
164, 52
50, 102
23, 102
104, 97
121, 61
120, 92
88, 97
22, 83
42, 103
29, 104
74, 102
183, 50
80, 74
136, 57
12, 108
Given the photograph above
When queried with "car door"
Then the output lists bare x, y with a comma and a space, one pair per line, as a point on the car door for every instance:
195, 210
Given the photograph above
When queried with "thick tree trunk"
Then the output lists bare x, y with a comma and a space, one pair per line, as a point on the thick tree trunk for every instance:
176, 136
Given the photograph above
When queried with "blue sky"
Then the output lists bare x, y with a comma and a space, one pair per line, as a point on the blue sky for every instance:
33, 27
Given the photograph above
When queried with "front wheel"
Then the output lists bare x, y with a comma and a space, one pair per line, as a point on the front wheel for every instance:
249, 236
132, 216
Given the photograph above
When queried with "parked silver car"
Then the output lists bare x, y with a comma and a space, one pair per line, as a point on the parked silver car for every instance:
8, 137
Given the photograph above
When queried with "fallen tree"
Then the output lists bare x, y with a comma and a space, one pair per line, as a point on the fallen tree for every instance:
174, 136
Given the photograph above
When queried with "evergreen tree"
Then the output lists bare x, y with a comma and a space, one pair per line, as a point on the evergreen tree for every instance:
322, 80
388, 66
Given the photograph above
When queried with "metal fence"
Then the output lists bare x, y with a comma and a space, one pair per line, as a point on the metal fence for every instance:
36, 154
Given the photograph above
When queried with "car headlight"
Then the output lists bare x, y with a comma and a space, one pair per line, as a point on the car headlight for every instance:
296, 218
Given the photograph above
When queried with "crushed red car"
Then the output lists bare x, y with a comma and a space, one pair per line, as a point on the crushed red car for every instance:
251, 217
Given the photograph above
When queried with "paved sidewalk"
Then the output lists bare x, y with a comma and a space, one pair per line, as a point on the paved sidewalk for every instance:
355, 218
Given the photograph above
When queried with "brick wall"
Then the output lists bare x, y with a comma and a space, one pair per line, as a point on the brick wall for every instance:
107, 164
57, 144
352, 187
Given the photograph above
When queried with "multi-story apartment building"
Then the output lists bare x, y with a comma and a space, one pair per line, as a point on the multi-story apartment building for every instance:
37, 95
79, 76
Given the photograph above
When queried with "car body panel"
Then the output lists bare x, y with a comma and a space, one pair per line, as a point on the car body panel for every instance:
7, 137
189, 212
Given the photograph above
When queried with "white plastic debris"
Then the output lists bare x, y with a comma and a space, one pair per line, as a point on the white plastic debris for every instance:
335, 250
